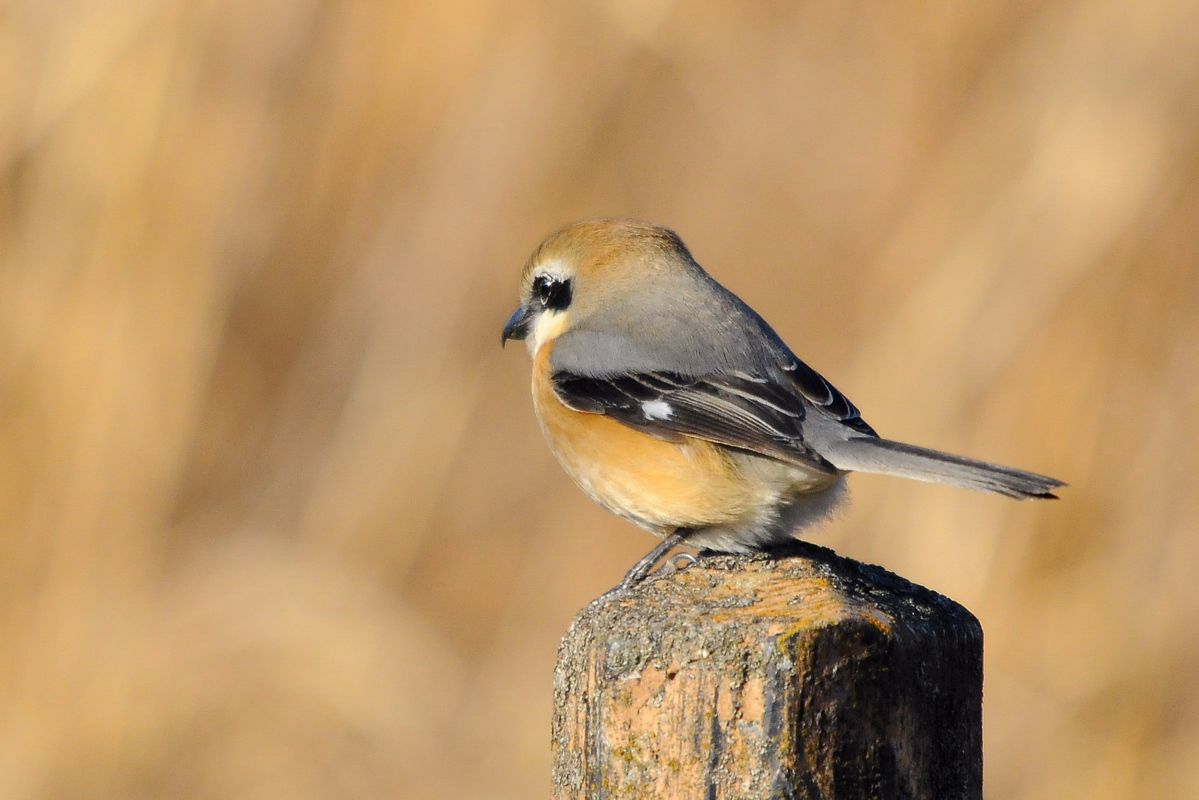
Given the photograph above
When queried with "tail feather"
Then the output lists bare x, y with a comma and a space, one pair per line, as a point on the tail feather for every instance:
886, 457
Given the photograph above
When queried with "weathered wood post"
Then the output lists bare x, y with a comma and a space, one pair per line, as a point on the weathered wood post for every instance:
798, 674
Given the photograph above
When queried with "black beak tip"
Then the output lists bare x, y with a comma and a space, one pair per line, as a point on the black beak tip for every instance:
517, 326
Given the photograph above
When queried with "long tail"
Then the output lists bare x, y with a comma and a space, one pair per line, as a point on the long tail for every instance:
885, 457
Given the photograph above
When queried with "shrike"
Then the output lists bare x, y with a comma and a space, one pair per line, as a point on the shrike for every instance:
673, 404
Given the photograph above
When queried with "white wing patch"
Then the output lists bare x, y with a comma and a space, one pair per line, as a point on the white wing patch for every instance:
657, 409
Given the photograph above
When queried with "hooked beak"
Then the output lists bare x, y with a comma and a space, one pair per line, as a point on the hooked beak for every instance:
517, 326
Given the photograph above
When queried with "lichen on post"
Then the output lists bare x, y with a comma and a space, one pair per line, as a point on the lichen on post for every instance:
794, 674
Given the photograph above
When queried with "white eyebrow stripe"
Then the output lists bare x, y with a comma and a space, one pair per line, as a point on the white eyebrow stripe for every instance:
657, 409
551, 269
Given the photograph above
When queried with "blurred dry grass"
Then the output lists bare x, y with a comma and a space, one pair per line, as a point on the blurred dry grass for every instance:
276, 518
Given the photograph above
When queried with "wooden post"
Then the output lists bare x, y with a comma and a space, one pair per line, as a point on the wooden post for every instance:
798, 674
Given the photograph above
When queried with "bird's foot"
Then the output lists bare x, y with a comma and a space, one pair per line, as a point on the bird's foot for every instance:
676, 563
641, 570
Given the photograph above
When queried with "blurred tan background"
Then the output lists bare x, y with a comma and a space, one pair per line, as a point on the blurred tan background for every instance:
276, 518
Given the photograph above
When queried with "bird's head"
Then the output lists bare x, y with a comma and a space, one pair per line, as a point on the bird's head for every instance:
590, 268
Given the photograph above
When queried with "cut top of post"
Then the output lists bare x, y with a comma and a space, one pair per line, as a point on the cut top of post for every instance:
793, 674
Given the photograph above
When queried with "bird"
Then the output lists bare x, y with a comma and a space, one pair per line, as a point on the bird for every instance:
673, 404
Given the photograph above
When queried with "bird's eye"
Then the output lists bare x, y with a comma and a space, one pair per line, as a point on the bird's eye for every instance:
553, 293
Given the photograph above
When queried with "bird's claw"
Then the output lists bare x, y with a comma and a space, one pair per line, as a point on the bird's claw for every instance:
673, 565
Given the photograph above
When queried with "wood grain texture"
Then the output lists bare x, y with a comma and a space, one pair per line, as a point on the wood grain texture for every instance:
798, 674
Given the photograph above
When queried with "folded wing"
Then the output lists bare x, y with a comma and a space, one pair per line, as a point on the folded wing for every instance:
738, 411
813, 386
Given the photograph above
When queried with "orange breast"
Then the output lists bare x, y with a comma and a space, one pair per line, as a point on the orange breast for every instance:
658, 484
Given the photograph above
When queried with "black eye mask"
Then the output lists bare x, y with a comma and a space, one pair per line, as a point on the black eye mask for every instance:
553, 293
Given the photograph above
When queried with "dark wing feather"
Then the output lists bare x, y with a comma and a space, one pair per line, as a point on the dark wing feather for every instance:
736, 411
812, 385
